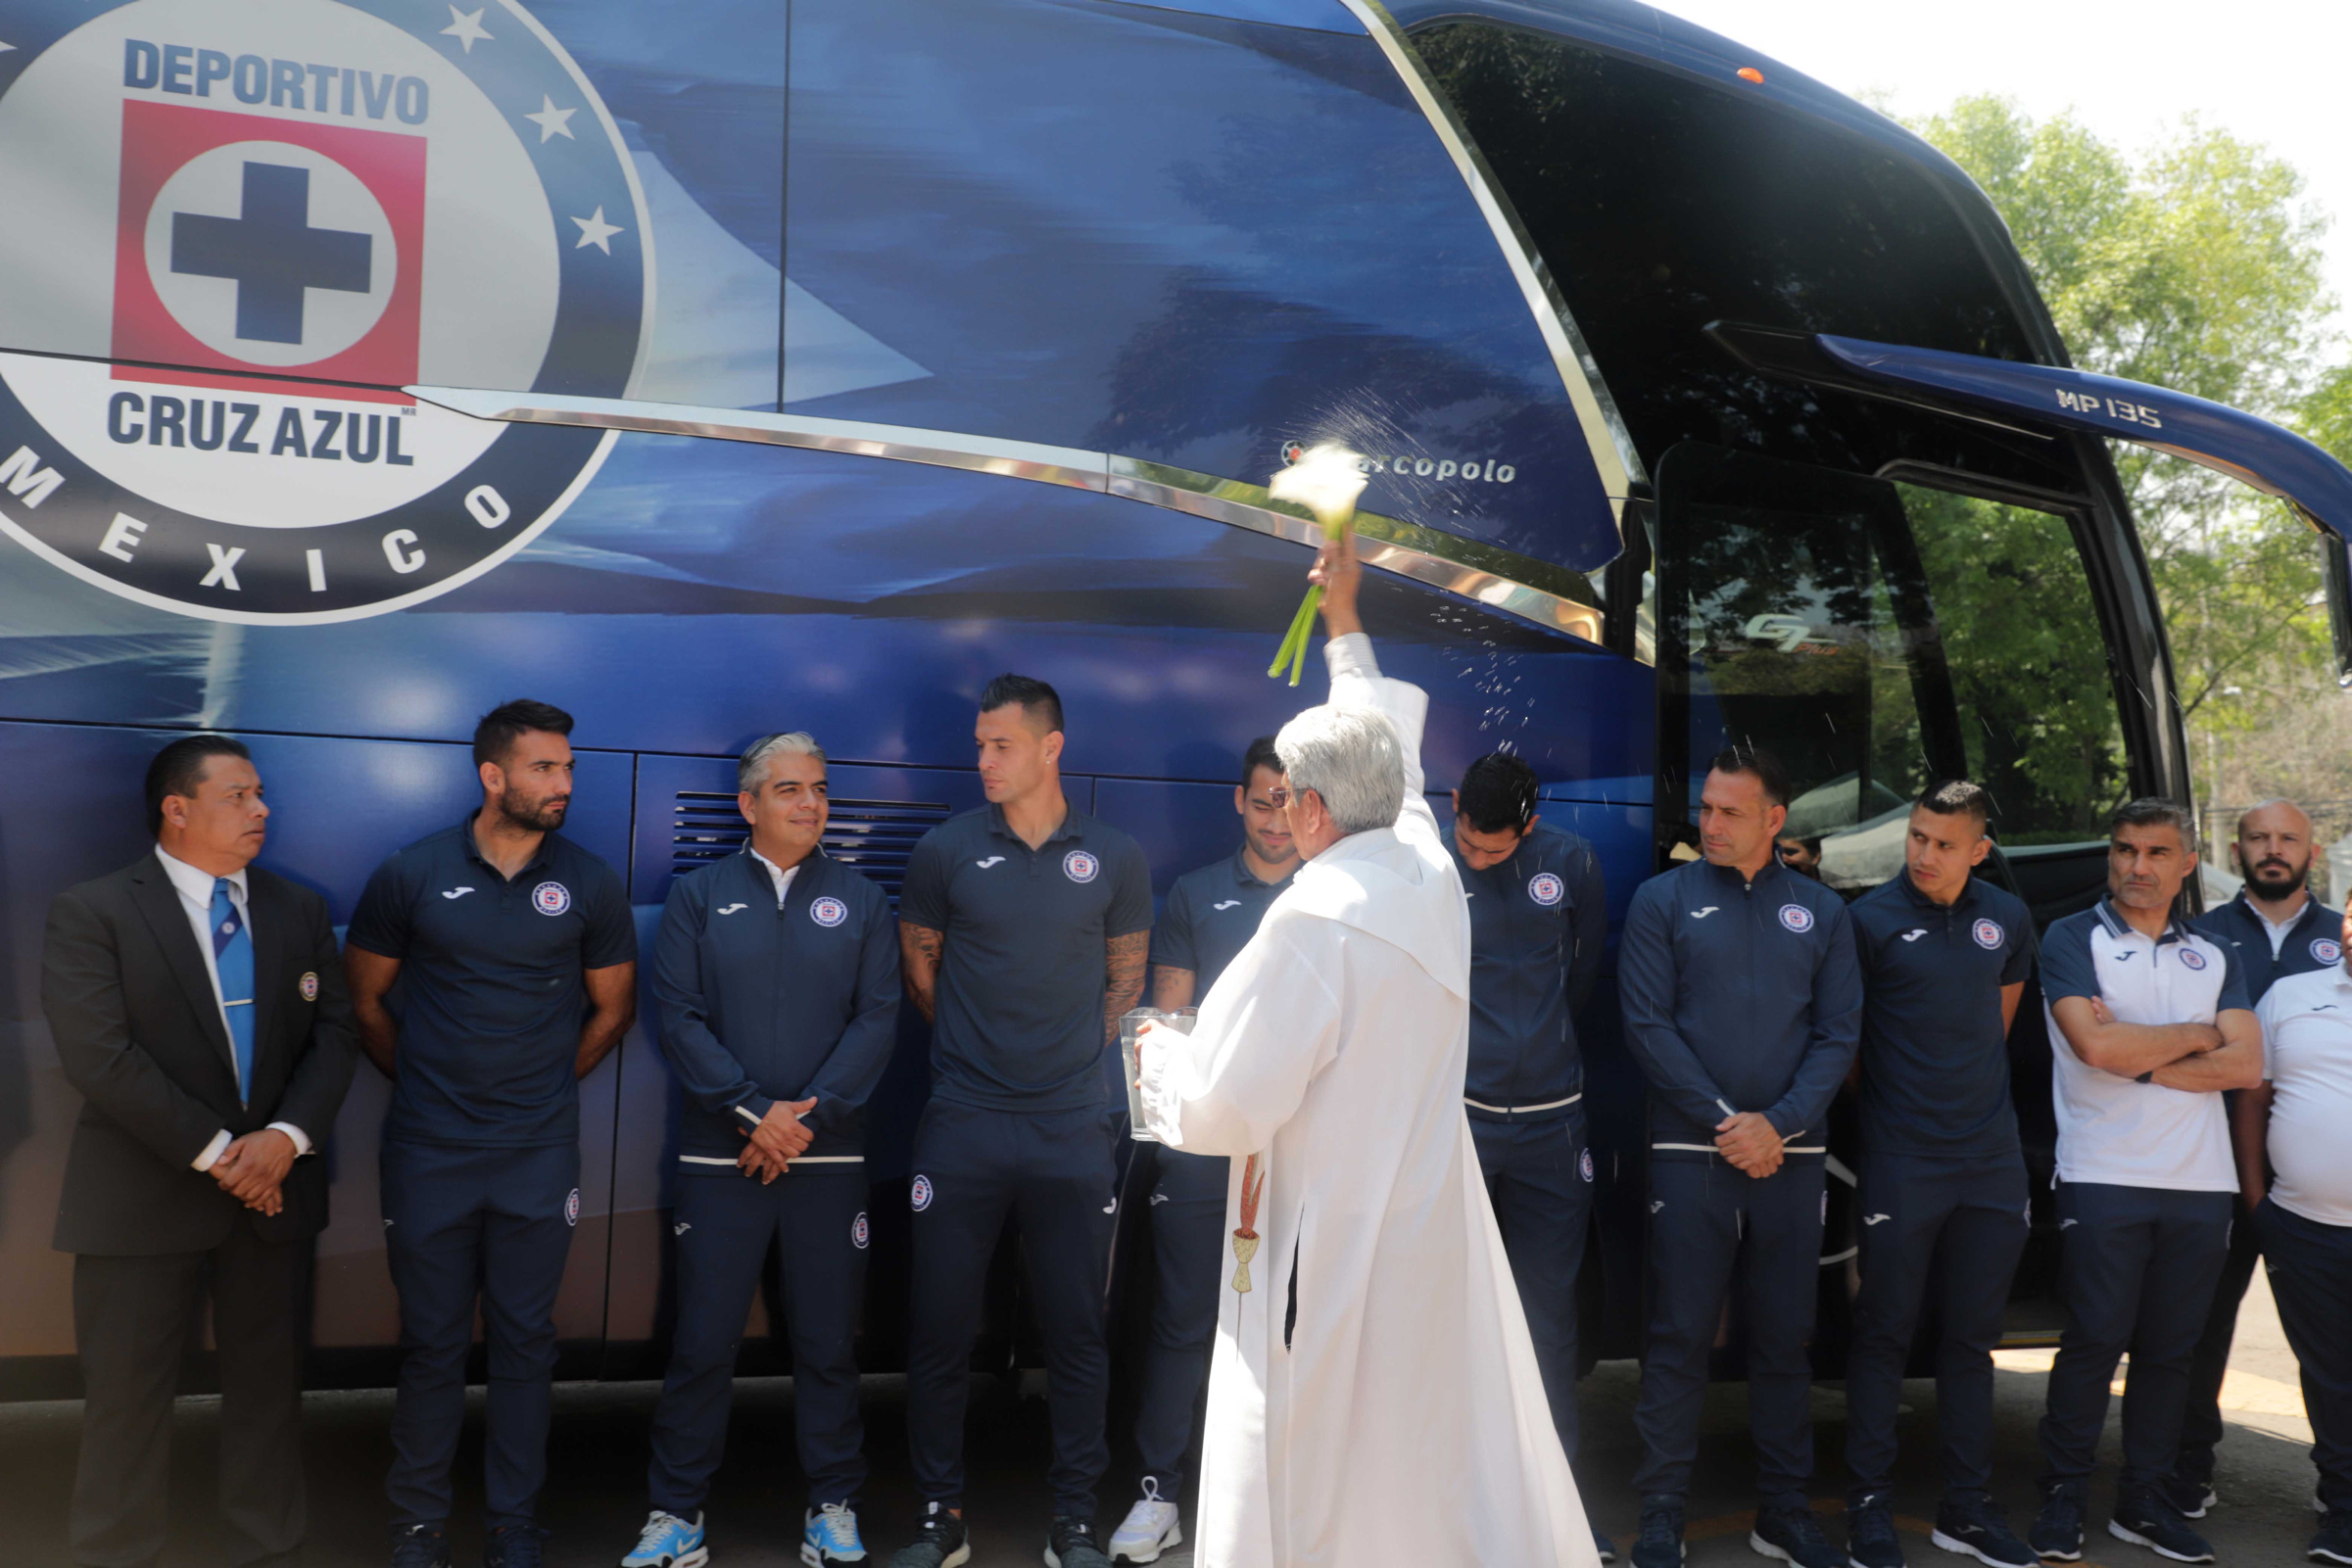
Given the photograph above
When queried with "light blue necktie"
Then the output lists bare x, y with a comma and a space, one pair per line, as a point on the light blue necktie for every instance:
233, 957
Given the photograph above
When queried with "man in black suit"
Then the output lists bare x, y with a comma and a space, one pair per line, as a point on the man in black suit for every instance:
198, 1004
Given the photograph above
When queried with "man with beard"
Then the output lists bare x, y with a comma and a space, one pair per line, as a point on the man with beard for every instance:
1211, 915
518, 959
2274, 928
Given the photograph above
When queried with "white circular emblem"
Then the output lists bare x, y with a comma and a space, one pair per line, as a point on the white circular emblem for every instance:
1080, 867
860, 1232
550, 898
308, 985
1988, 934
919, 1195
1796, 917
1584, 1164
2191, 958
828, 910
205, 193
2327, 951
1546, 888
571, 1207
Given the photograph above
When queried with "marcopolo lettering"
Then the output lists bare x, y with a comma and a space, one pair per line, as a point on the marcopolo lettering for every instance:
344, 90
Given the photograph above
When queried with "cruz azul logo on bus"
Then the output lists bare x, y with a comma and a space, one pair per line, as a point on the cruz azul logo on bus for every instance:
264, 222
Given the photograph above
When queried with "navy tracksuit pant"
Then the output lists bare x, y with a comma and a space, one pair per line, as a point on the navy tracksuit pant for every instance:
2311, 1276
974, 1168
722, 1224
1962, 1222
461, 1224
1189, 1229
1539, 1179
2201, 1425
1707, 1220
2135, 1272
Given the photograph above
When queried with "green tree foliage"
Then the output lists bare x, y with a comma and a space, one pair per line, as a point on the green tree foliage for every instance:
2195, 267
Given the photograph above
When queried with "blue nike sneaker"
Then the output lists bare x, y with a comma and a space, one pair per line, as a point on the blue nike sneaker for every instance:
668, 1542
829, 1534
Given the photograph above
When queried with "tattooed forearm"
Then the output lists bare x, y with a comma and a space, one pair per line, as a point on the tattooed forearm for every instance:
1123, 968
919, 949
1171, 987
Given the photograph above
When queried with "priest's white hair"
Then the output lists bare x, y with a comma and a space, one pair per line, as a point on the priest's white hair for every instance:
1349, 757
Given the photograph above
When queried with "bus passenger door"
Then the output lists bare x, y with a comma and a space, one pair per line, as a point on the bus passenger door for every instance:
1878, 634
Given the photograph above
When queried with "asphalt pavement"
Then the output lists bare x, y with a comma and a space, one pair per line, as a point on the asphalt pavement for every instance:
596, 1497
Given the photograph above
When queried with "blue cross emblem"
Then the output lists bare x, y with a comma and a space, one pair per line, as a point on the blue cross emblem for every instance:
272, 252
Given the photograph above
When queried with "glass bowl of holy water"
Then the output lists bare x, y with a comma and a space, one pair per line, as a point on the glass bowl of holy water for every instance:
1130, 1028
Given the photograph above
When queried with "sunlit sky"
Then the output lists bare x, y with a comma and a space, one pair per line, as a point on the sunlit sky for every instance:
2274, 72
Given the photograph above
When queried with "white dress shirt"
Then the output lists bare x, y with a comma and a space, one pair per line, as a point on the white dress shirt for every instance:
2277, 929
195, 889
780, 877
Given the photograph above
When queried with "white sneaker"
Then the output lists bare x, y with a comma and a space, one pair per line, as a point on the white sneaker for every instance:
1151, 1527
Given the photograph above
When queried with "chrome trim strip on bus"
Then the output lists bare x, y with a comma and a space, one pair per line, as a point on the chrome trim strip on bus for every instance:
1553, 597
1605, 432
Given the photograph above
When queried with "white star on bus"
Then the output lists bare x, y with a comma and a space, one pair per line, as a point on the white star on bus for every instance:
466, 28
551, 121
596, 232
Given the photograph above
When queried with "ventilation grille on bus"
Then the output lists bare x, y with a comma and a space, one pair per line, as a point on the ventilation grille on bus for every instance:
873, 836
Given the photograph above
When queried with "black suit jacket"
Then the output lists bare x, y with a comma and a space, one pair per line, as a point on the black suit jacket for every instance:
139, 1034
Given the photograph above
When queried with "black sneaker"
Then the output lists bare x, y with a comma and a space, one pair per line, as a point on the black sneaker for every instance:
1660, 1544
2057, 1532
1789, 1534
1070, 1543
1971, 1524
2144, 1519
2187, 1498
515, 1546
941, 1542
1870, 1540
1602, 1547
419, 1546
2334, 1543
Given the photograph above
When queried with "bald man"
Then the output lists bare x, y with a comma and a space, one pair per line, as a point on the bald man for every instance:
2274, 928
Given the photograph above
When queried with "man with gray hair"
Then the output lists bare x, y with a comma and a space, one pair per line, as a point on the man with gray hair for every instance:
776, 976
1374, 1395
2148, 1025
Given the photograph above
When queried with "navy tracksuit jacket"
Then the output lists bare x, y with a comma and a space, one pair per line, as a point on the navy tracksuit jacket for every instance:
1537, 921
1740, 994
761, 1002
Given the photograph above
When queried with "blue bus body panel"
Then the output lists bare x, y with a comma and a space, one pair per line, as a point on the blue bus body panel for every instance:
1184, 234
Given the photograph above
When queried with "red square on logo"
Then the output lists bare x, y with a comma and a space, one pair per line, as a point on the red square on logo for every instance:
291, 283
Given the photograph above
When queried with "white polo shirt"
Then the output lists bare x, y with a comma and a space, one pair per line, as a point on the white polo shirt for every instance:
2115, 1129
2307, 1055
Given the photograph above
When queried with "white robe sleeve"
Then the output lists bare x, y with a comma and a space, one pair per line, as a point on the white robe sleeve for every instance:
1356, 683
1267, 1026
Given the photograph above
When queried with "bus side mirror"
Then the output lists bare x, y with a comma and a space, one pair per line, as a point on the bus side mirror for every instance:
2335, 567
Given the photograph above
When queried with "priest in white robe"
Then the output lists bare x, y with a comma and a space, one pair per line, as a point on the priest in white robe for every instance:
1373, 1398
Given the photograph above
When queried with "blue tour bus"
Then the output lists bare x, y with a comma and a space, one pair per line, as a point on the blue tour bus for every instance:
721, 369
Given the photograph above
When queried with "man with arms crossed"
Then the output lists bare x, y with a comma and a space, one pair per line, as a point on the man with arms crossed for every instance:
776, 977
2295, 1121
518, 959
1944, 957
1211, 914
1742, 1004
2276, 929
2148, 1025
1538, 920
198, 1004
1023, 930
